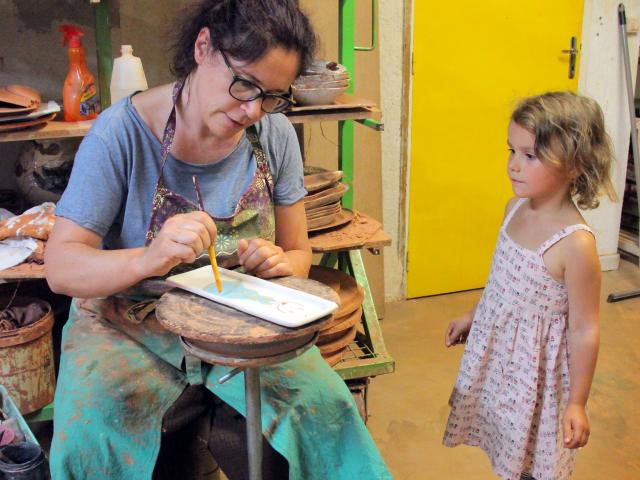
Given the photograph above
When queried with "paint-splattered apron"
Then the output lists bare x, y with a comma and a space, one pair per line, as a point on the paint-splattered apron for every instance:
120, 371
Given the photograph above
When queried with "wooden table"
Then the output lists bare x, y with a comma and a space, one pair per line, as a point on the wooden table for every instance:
218, 334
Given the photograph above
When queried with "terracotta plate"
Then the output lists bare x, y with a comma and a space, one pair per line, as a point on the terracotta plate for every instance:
332, 208
351, 294
324, 197
311, 169
15, 111
327, 336
5, 127
339, 343
320, 222
318, 181
333, 358
344, 217
326, 275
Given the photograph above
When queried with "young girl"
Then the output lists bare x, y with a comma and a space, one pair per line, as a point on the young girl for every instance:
533, 337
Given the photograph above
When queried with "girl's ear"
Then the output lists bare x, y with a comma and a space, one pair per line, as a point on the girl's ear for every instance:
202, 47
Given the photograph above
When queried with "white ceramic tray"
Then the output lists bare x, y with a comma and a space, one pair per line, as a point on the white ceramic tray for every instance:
260, 298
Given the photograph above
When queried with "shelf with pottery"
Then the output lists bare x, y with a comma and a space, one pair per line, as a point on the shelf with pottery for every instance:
346, 107
23, 271
54, 129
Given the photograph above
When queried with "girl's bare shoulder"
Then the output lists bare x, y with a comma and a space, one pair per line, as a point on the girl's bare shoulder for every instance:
510, 204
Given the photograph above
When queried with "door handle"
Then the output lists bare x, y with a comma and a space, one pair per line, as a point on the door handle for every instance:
573, 52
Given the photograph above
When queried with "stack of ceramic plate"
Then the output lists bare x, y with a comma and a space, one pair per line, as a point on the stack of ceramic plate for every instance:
322, 203
40, 115
20, 107
336, 337
321, 83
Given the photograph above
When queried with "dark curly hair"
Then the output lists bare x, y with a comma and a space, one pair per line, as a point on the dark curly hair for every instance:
570, 136
245, 29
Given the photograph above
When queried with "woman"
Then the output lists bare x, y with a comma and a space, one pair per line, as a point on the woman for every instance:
126, 391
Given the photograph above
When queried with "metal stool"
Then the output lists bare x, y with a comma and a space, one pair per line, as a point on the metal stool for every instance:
220, 335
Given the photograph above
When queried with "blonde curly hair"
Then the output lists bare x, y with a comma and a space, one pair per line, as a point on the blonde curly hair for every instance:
570, 136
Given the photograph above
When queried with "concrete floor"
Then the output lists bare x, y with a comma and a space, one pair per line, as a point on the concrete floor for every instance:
409, 408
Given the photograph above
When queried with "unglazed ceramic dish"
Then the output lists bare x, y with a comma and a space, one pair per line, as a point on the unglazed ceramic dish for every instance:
318, 181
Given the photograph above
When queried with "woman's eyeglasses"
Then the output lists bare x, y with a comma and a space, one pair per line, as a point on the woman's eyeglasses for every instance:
245, 90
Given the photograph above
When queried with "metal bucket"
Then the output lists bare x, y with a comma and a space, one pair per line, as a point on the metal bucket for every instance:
27, 362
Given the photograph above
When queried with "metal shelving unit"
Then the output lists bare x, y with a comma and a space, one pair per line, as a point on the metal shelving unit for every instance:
368, 355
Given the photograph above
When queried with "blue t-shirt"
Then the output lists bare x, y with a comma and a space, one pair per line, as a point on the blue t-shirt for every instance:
117, 166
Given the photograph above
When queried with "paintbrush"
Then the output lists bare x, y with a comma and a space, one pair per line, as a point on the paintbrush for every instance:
212, 252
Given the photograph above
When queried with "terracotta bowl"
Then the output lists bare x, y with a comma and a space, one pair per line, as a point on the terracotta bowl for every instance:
316, 96
319, 66
306, 82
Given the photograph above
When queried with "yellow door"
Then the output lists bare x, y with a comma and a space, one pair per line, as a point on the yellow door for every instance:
472, 61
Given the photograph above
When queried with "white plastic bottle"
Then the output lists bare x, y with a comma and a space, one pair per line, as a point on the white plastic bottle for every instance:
127, 76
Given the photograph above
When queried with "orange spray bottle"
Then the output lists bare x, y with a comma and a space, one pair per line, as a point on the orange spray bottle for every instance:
79, 94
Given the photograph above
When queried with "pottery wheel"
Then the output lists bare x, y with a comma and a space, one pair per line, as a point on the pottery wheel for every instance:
224, 331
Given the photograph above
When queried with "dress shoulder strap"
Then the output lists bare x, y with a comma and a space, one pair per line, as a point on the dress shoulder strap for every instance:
512, 212
566, 231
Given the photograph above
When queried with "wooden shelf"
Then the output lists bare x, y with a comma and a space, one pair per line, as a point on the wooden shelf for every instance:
346, 107
23, 271
362, 232
55, 129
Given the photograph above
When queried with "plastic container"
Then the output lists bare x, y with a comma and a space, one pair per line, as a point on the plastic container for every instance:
79, 94
11, 410
23, 461
127, 76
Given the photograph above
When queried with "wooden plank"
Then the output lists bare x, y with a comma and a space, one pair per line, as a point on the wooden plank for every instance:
346, 107
362, 232
335, 115
23, 271
344, 101
55, 129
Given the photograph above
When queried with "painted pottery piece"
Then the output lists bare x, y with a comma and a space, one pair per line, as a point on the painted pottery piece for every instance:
261, 298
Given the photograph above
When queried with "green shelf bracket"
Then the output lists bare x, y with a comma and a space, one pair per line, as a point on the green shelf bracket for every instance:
103, 51
345, 128
329, 260
374, 28
374, 124
369, 315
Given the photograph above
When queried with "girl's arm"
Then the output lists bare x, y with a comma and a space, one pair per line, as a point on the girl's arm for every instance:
458, 329
291, 254
75, 264
582, 279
